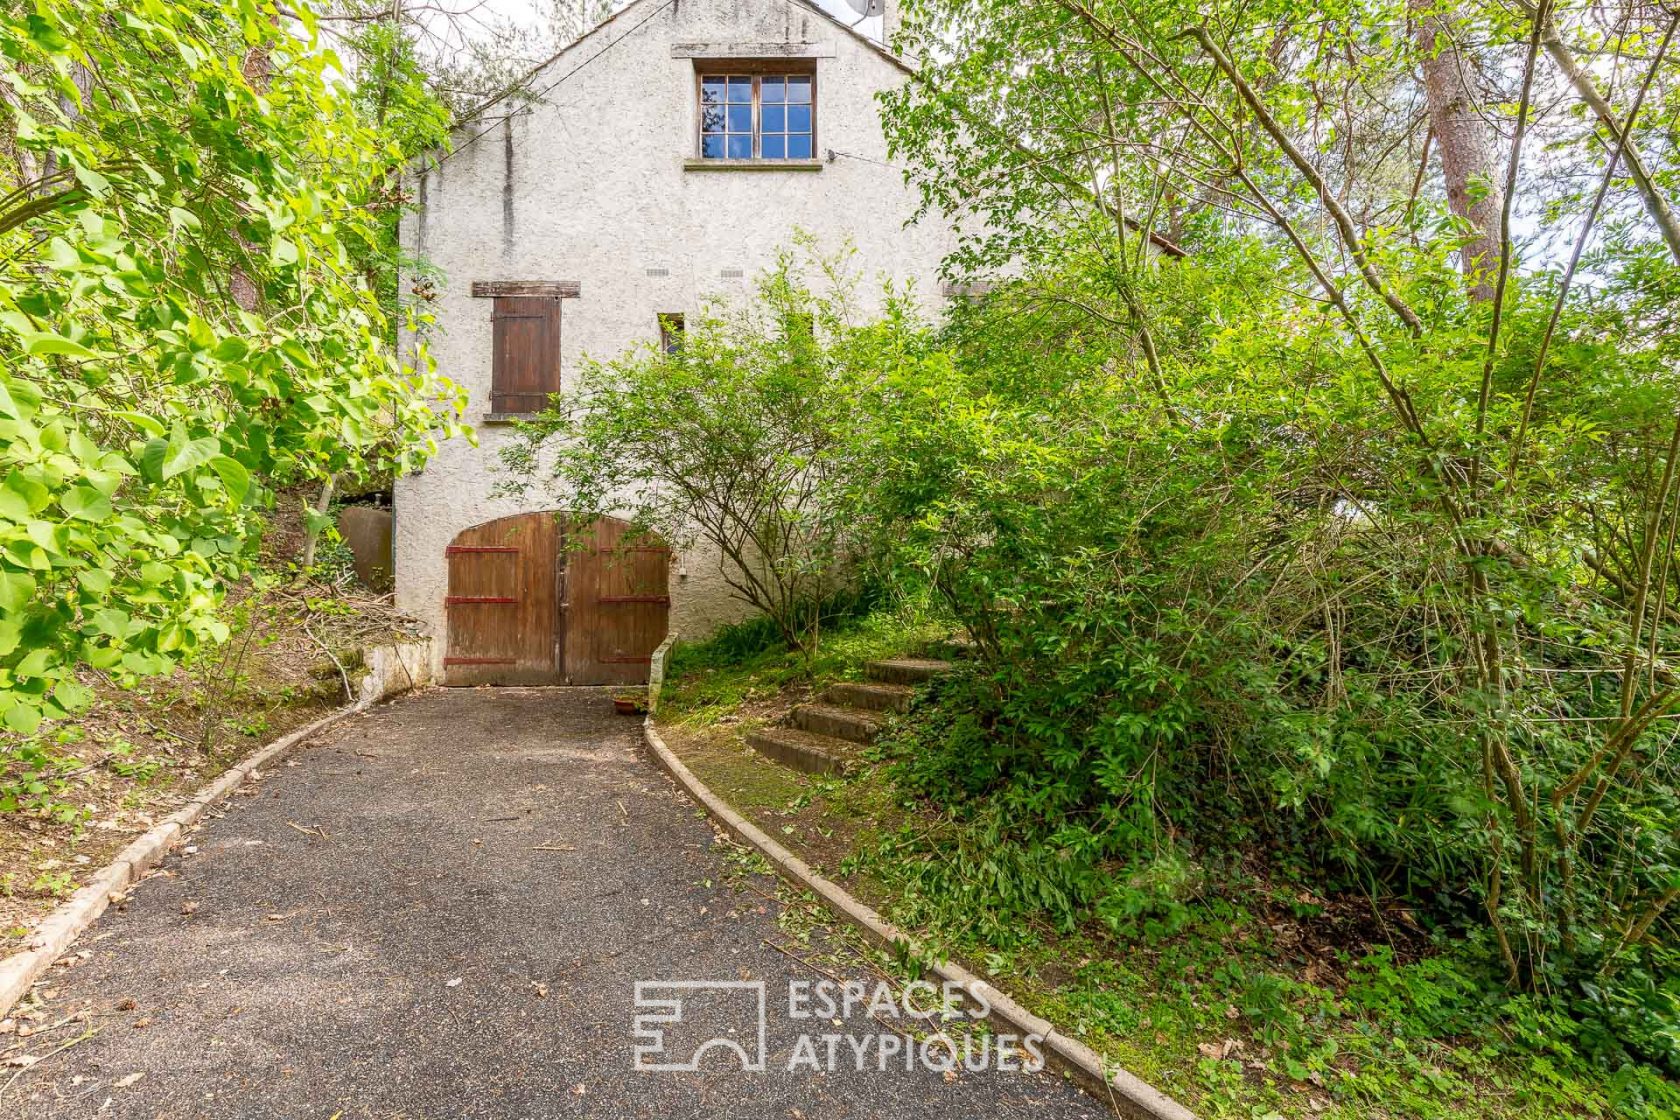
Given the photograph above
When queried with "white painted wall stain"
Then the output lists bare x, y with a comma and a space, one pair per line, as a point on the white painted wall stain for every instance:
589, 185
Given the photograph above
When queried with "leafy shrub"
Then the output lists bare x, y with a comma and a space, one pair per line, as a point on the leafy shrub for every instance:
180, 333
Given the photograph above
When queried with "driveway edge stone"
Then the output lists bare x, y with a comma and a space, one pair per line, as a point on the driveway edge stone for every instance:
55, 933
1128, 1095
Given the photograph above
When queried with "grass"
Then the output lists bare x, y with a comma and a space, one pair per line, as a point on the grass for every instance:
1257, 1000
747, 665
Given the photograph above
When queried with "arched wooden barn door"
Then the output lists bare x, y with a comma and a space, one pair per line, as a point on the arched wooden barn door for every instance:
618, 601
535, 600
503, 604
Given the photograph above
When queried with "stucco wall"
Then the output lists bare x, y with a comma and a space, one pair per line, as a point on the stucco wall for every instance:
589, 184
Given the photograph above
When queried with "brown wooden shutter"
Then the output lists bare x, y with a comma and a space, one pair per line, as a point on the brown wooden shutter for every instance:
526, 367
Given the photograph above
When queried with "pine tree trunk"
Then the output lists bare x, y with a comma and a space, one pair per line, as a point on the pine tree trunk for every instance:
1464, 142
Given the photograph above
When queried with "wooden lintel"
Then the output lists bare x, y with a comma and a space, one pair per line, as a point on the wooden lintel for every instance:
554, 289
752, 51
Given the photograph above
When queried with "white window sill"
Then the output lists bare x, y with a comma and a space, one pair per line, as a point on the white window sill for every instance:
508, 417
752, 165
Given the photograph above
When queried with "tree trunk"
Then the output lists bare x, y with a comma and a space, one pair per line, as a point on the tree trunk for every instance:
1655, 204
1462, 138
312, 526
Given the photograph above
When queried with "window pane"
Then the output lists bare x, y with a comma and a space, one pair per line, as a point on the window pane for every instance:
711, 90
798, 147
711, 119
774, 118
740, 118
740, 147
711, 147
740, 90
773, 147
799, 89
771, 90
799, 118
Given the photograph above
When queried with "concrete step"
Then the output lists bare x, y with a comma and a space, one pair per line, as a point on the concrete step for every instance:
870, 695
905, 670
951, 649
853, 724
802, 750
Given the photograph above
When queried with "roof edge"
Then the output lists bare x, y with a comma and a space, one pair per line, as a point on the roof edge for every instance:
878, 48
806, 5
526, 78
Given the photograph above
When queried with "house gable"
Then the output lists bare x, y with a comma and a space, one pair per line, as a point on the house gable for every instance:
594, 193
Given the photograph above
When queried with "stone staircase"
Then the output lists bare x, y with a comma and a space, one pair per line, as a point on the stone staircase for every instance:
826, 736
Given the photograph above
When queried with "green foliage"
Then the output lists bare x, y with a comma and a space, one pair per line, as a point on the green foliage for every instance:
751, 659
181, 330
34, 779
1295, 545
1239, 629
391, 92
740, 438
1240, 632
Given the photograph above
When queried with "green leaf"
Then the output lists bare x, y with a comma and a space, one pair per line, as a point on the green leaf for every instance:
84, 503
47, 343
45, 536
231, 349
151, 458
18, 400
13, 506
314, 521
194, 453
16, 589
72, 696
23, 717
34, 664
148, 424
35, 496
96, 184
60, 255
46, 35
234, 476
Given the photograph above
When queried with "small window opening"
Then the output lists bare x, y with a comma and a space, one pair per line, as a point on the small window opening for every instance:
671, 328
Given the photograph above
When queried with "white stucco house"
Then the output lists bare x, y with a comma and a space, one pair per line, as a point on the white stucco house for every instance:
666, 157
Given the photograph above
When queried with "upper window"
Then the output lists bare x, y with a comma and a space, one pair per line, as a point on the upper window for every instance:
757, 116
525, 363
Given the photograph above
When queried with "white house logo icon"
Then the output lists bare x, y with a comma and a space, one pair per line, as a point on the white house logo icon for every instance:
676, 1003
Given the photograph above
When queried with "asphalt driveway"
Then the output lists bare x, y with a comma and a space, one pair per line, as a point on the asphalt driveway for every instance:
442, 910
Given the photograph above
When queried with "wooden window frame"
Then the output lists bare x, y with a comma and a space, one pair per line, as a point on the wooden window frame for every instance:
757, 69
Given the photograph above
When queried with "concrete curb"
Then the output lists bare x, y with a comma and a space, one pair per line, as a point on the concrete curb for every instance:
59, 929
1128, 1095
